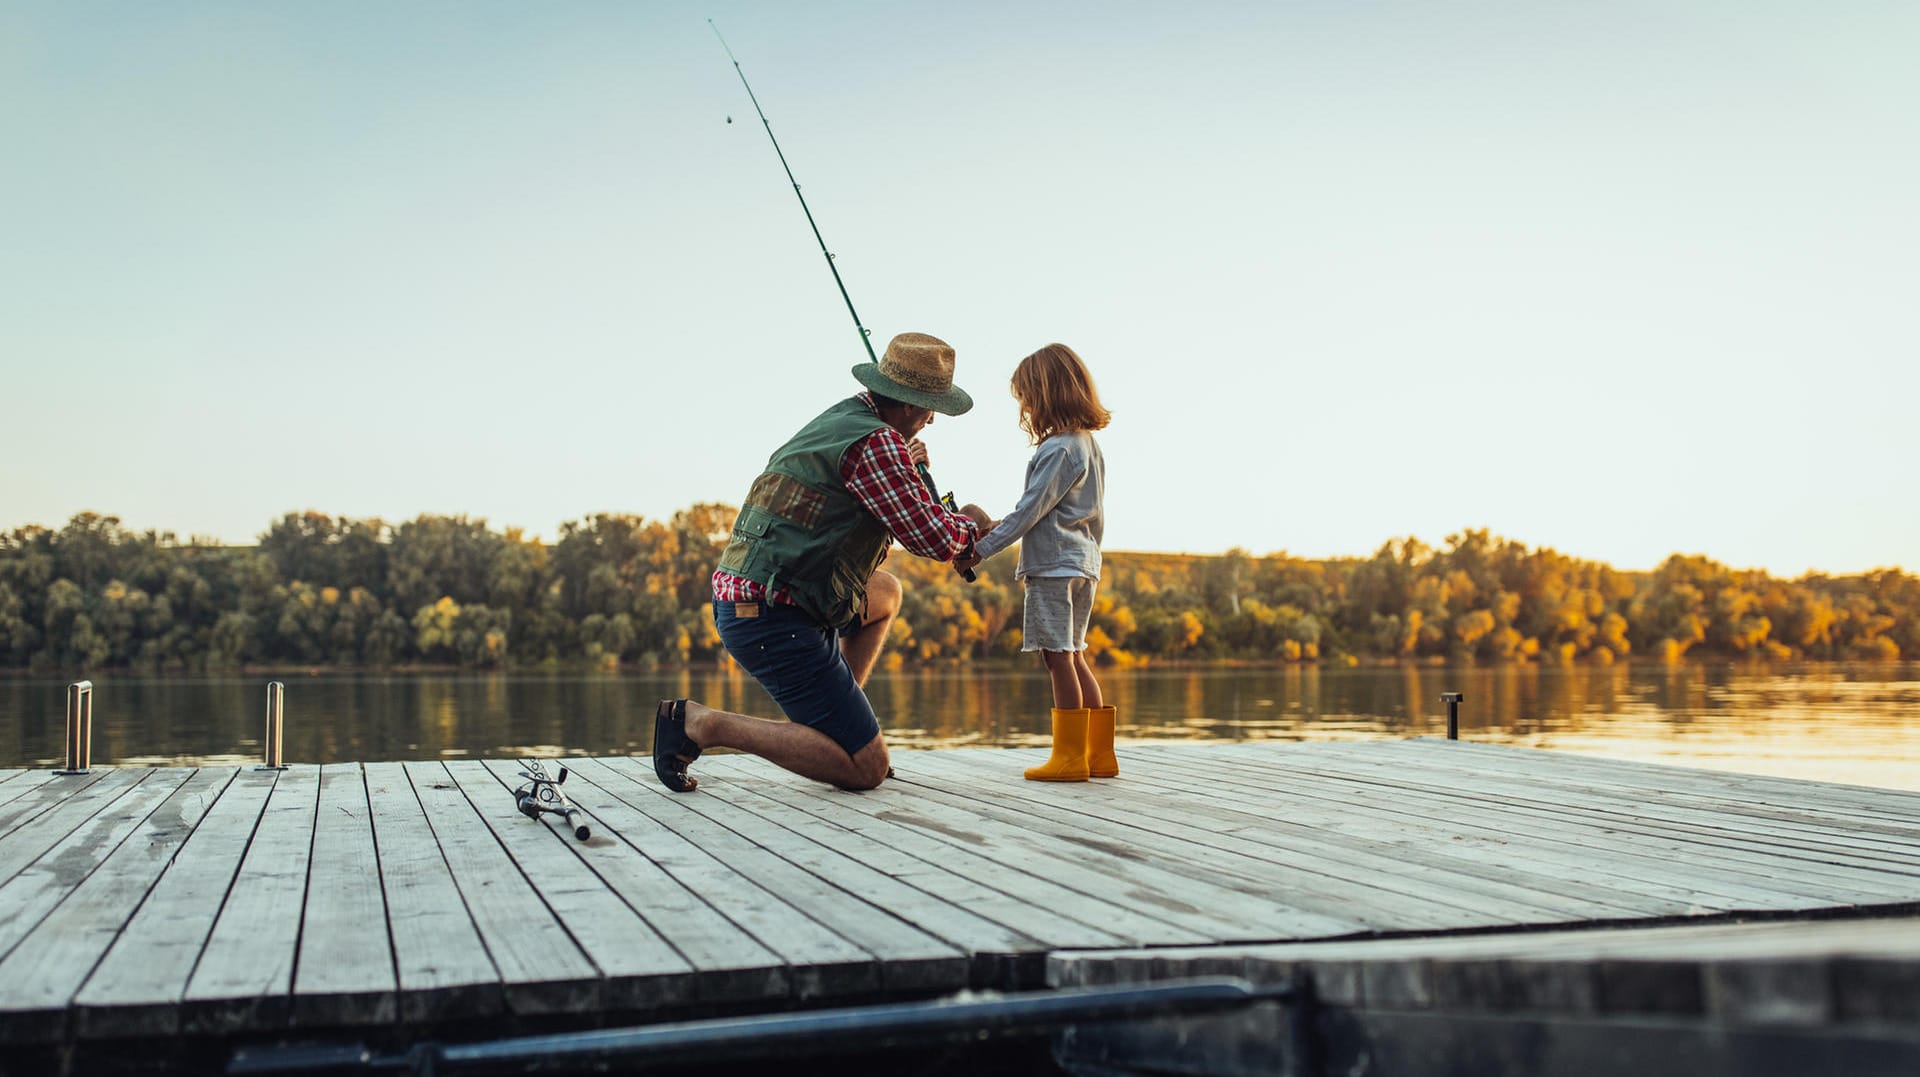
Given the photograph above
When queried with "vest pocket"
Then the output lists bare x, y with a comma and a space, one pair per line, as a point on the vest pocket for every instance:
749, 527
789, 498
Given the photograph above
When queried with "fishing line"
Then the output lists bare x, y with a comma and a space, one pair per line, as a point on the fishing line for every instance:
926, 476
865, 342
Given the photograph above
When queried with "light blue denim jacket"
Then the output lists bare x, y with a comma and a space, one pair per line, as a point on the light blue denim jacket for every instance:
1059, 520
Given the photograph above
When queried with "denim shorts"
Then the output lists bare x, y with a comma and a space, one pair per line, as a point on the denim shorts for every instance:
798, 661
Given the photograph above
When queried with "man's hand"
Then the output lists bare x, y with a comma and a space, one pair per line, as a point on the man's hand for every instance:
917, 449
965, 559
979, 516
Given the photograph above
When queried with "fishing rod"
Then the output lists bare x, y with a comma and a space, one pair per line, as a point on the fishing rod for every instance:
866, 341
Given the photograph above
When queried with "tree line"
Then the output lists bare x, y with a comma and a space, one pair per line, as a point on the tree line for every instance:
619, 590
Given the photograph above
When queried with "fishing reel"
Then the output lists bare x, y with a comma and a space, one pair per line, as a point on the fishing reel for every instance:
946, 502
542, 794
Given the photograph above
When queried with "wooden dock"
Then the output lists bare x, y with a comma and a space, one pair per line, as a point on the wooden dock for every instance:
385, 901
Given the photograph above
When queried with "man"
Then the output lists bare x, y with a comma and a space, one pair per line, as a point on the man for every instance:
798, 596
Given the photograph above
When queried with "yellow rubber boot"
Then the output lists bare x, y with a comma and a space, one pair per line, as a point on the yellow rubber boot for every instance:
1101, 762
1068, 763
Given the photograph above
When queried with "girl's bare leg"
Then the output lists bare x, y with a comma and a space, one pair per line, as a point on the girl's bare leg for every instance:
1089, 688
1066, 679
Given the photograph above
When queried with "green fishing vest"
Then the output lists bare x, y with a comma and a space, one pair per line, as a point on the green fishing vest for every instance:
800, 529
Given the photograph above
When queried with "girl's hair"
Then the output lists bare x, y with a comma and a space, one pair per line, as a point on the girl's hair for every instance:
1056, 394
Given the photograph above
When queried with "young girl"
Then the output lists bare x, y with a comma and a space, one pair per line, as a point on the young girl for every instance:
1058, 522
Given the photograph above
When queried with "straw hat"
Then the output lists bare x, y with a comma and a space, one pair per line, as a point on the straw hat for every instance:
917, 369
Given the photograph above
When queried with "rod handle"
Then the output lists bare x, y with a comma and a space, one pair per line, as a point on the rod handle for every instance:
946, 502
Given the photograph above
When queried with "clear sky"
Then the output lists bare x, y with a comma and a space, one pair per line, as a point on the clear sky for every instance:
1622, 279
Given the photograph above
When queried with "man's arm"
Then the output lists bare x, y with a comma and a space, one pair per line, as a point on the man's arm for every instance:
880, 474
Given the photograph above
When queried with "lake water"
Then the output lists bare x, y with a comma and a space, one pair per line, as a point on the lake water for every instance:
1844, 723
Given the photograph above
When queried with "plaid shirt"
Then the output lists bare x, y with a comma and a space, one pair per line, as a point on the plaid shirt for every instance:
880, 475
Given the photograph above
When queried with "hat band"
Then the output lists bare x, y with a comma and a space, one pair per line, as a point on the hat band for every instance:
923, 380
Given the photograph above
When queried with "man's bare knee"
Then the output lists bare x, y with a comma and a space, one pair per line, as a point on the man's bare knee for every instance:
884, 592
870, 766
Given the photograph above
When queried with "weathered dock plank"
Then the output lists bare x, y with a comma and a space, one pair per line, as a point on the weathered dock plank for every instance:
816, 960
636, 966
1233, 892
101, 874
799, 839
34, 822
542, 969
1646, 856
819, 961
902, 855
344, 973
1279, 827
1041, 903
138, 985
1632, 825
912, 959
1105, 865
64, 863
678, 889
192, 905
1825, 800
1807, 827
19, 783
1283, 808
1762, 810
442, 968
245, 972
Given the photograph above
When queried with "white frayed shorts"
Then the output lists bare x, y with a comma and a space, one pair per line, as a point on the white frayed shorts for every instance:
1057, 610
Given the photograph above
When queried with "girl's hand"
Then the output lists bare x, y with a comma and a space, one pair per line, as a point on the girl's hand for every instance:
917, 449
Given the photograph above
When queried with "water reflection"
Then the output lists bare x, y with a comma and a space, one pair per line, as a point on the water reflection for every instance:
1838, 723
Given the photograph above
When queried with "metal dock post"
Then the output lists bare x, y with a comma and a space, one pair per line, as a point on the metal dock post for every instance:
79, 727
275, 748
1452, 700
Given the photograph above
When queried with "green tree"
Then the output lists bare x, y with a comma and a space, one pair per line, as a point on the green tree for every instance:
388, 640
440, 556
319, 549
18, 638
434, 630
233, 640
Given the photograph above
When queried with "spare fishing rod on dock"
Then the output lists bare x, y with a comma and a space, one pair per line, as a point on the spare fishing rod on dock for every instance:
926, 475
